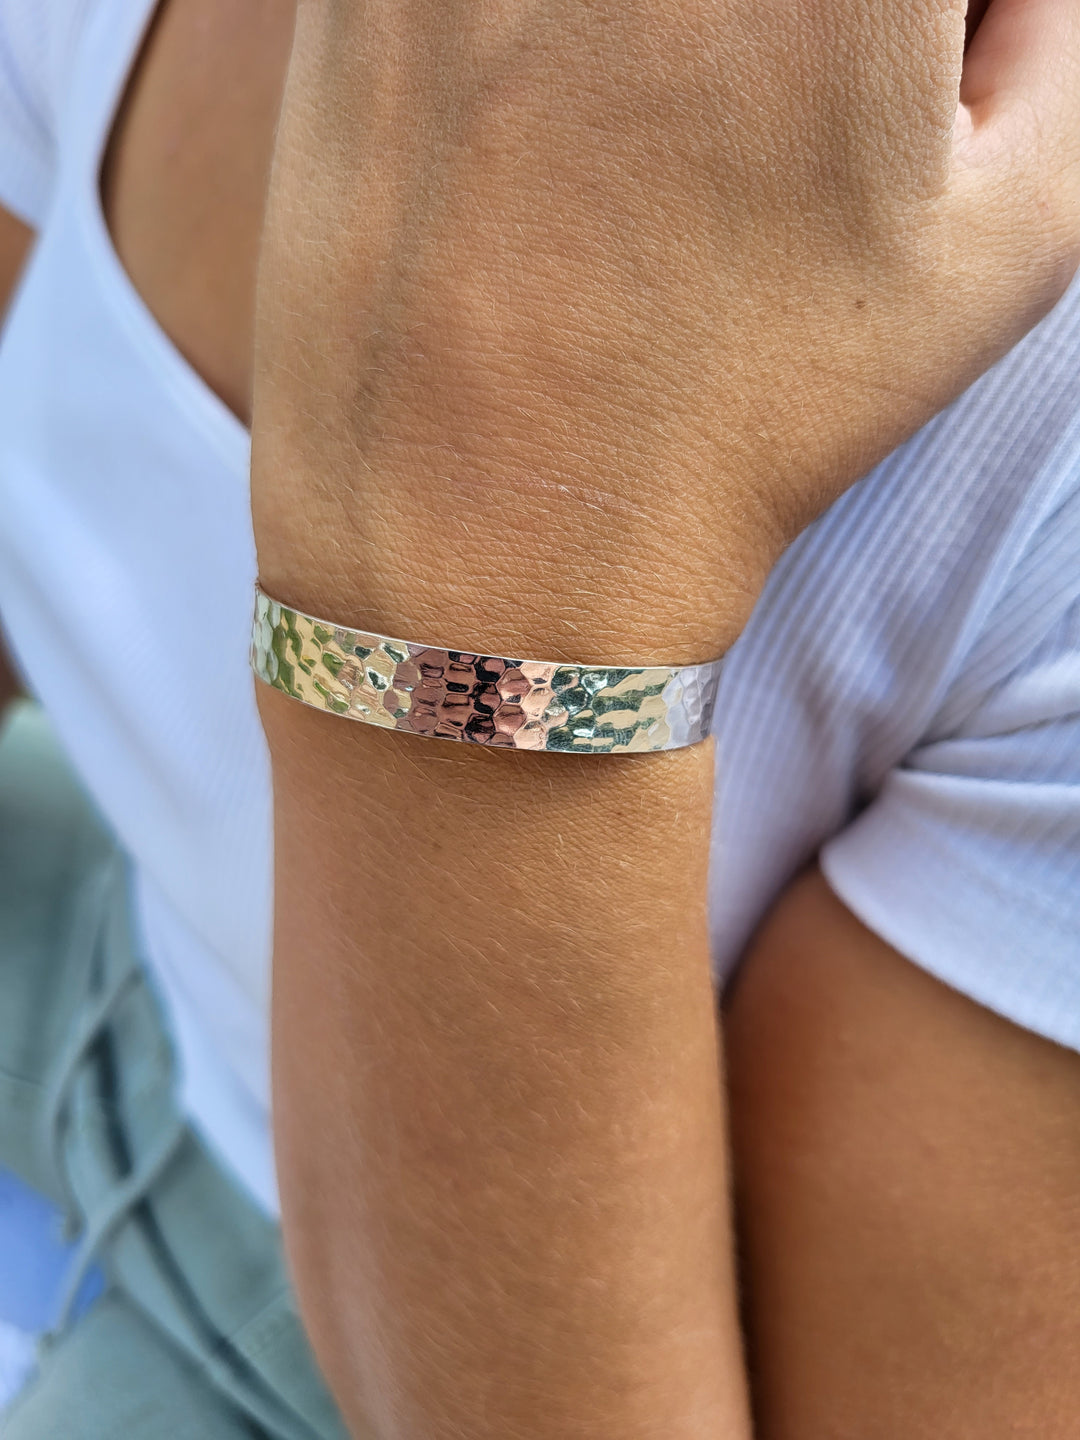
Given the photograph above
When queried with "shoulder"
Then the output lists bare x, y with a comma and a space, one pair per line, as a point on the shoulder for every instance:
937, 600
965, 853
945, 566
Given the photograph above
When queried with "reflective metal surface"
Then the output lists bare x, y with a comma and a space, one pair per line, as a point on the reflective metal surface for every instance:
481, 699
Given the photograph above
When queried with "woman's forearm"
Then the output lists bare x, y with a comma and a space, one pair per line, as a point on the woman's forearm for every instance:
497, 1092
570, 318
498, 1102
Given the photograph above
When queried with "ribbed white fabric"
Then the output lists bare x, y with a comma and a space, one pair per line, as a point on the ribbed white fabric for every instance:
905, 700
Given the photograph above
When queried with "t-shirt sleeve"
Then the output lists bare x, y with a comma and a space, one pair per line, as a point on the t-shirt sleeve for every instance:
26, 126
967, 860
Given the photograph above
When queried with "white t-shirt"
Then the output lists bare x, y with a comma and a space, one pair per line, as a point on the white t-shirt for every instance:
905, 700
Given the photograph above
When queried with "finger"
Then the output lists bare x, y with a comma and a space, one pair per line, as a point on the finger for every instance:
1019, 125
975, 12
1026, 51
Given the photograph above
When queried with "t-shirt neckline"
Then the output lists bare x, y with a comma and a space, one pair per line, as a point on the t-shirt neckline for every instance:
111, 64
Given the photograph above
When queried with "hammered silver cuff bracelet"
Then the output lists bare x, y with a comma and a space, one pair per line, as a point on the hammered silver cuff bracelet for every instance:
481, 699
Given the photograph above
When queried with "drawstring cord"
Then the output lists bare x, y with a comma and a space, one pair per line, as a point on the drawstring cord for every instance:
92, 937
85, 930
59, 1094
111, 1214
99, 936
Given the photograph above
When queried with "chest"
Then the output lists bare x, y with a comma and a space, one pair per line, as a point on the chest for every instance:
185, 171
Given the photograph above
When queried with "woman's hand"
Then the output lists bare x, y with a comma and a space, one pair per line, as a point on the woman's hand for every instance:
650, 284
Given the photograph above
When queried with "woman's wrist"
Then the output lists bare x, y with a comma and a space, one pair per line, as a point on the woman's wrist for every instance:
505, 507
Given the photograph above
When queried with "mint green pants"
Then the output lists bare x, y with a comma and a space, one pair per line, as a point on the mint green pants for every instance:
196, 1336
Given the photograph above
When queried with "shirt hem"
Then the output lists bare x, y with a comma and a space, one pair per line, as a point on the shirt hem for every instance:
921, 896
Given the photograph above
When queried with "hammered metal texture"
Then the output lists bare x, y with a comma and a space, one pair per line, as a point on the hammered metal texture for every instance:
481, 699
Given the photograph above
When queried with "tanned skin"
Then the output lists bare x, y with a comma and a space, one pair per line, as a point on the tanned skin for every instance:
571, 317
908, 1172
15, 241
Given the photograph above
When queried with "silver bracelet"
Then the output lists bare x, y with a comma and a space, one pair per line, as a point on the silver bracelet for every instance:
481, 699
